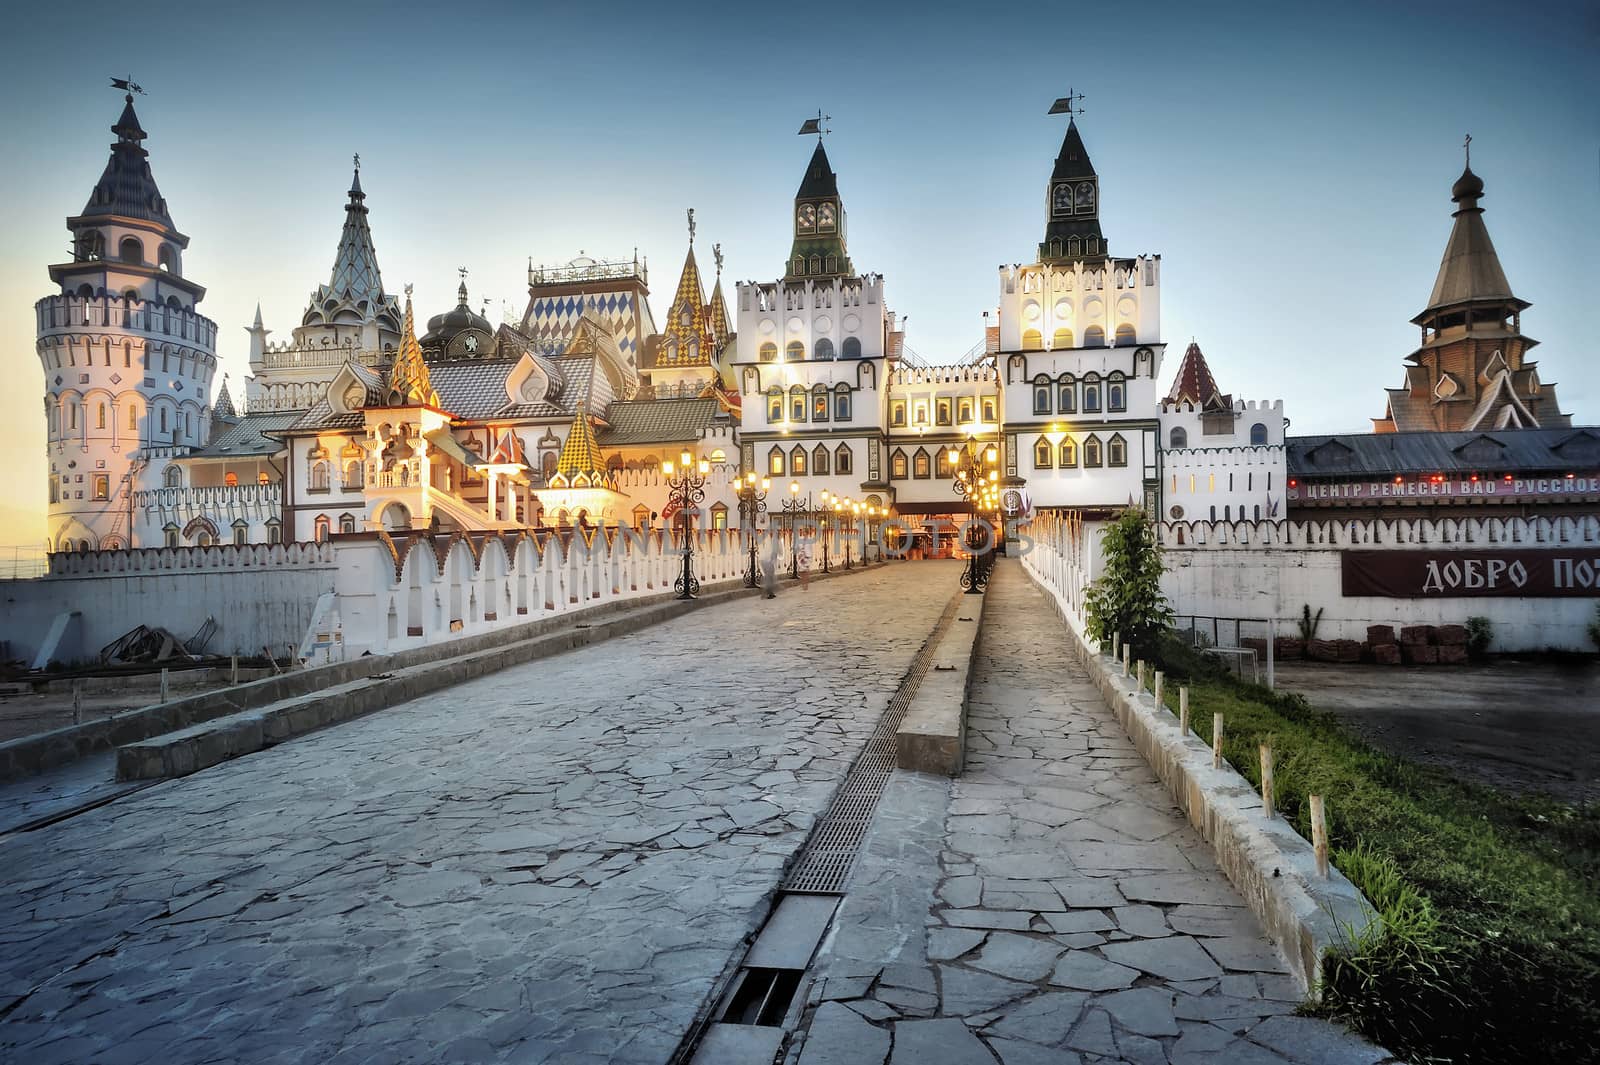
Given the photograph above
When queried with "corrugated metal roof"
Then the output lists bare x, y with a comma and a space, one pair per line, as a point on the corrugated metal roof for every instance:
244, 436
1376, 454
659, 421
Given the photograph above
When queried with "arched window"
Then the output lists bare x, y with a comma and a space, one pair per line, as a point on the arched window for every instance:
230, 479
819, 460
170, 535
91, 246
794, 351
1068, 454
1116, 391
1041, 394
1062, 339
167, 259
1043, 455
799, 264
172, 477
1094, 337
921, 464
274, 531
319, 476
797, 403
841, 402
354, 473
819, 403
843, 459
816, 264
1091, 451
130, 250
774, 404
1032, 340
769, 352
133, 418
718, 455
241, 532
347, 523
1258, 433
163, 419
1091, 393
941, 463
823, 349
1179, 437
797, 461
1125, 336
851, 348
1066, 394
775, 462
321, 529
1117, 451
641, 516
898, 465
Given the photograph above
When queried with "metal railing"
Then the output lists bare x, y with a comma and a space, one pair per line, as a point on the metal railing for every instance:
18, 562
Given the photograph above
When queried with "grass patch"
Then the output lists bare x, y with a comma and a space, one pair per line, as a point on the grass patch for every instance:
1490, 947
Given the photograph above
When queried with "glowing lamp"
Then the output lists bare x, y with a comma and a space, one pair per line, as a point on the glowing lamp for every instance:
685, 458
666, 467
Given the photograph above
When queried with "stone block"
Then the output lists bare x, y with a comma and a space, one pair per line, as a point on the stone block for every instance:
1289, 647
1452, 655
1450, 635
1386, 654
1347, 650
1417, 635
1416, 654
1378, 635
1322, 650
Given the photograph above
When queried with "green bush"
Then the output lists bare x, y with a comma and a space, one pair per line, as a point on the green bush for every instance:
1126, 599
1480, 634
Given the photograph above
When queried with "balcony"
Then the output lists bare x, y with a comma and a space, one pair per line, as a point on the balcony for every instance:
74, 314
291, 358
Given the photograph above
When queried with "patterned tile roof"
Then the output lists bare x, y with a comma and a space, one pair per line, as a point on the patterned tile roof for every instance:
409, 381
660, 421
1497, 452
245, 436
581, 461
1194, 383
127, 187
551, 320
688, 339
473, 389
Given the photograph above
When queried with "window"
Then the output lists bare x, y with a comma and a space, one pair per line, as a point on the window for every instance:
941, 464
347, 523
775, 462
819, 460
170, 534
130, 250
102, 486
230, 479
719, 515
843, 459
321, 529
816, 264
964, 409
774, 404
942, 412
797, 403
354, 473
897, 465
133, 419
851, 348
1091, 451
241, 533
1032, 340
1117, 451
1067, 394
989, 409
163, 418
100, 416
921, 465
1062, 339
1068, 454
1043, 455
1116, 391
799, 265
819, 403
823, 349
1094, 337
841, 402
172, 477
1041, 394
319, 476
769, 352
897, 413
1125, 336
919, 412
1091, 394
797, 461
794, 351
1258, 434
274, 532
641, 513
1179, 437
718, 455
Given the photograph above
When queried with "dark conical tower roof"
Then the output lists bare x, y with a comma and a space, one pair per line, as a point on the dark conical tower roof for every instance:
1470, 271
1072, 206
1073, 160
820, 181
126, 187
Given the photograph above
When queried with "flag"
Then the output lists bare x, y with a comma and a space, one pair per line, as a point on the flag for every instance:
812, 125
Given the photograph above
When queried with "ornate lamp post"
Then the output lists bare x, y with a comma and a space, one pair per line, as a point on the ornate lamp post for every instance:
686, 490
824, 523
854, 515
793, 506
752, 502
976, 467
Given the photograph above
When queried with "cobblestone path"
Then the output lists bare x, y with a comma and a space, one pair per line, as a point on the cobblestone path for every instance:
1051, 906
554, 863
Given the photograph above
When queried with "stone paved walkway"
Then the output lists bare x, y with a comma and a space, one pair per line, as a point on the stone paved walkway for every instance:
1051, 905
554, 863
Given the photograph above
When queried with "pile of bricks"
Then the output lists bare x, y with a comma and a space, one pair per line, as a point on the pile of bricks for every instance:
1418, 645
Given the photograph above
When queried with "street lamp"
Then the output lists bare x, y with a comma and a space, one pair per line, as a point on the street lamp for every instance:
977, 481
686, 490
823, 524
792, 507
752, 501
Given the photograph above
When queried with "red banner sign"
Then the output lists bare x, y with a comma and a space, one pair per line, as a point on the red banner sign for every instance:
1473, 574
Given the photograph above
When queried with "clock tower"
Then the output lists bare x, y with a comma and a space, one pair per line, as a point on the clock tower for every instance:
1072, 206
819, 224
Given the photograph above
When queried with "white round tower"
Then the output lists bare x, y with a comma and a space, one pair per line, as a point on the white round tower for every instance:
127, 360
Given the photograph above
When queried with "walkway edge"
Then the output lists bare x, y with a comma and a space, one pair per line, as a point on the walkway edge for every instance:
932, 737
1270, 864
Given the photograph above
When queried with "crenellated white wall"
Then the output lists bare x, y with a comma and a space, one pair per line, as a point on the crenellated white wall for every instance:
1076, 297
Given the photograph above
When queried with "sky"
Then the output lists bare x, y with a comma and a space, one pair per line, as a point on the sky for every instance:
1290, 163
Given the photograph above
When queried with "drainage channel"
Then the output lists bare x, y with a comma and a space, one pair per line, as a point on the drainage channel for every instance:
762, 1002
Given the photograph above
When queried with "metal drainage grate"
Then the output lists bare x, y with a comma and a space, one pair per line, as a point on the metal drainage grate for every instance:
830, 854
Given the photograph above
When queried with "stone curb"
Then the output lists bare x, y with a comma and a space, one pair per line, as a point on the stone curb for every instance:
1270, 864
208, 743
932, 737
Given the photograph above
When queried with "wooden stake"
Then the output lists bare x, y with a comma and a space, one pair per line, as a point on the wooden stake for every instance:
77, 702
1116, 645
1216, 741
234, 666
1158, 689
1183, 711
163, 683
1319, 835
1266, 779
1141, 676
1125, 657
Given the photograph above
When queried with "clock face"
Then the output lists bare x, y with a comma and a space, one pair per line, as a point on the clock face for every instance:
825, 216
1085, 197
1061, 200
807, 216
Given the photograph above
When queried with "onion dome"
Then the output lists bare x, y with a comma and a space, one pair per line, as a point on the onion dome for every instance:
461, 333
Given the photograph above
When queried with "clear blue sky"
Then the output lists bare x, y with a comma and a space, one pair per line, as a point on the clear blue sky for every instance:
1291, 166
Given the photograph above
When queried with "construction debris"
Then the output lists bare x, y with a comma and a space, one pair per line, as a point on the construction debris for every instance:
146, 643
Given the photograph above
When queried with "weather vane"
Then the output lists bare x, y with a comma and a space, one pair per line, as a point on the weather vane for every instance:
1467, 144
358, 161
716, 253
817, 125
462, 270
691, 225
1070, 104
126, 85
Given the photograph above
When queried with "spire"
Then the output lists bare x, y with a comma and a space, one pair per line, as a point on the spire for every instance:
409, 385
223, 408
820, 180
1194, 383
355, 277
126, 186
1072, 205
1470, 271
688, 339
580, 464
819, 248
257, 324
